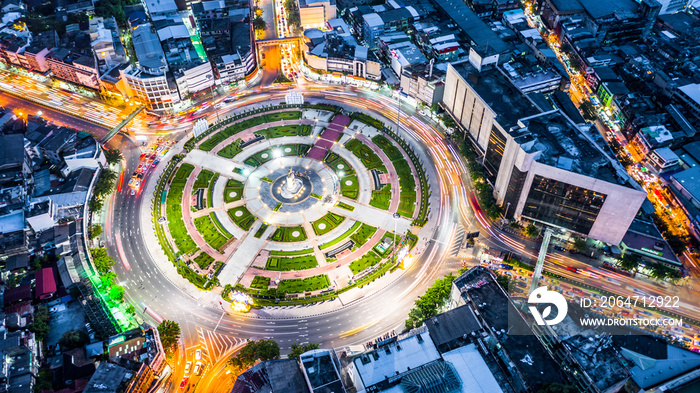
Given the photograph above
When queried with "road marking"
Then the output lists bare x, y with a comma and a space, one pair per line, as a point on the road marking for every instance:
120, 250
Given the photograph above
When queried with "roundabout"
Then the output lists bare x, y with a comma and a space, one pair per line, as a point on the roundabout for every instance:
156, 230
294, 205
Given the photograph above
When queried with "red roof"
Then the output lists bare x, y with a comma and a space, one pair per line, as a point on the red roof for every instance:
45, 283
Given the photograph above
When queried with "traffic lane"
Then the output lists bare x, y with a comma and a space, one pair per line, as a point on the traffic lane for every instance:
26, 107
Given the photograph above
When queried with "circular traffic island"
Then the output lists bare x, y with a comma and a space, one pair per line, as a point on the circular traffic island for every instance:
293, 205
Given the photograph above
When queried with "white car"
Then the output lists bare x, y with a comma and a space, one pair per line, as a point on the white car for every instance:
198, 354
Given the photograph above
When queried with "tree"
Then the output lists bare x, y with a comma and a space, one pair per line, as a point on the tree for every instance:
113, 156
580, 244
588, 111
435, 107
103, 262
73, 339
95, 231
109, 278
130, 309
629, 261
253, 351
503, 281
169, 332
117, 294
659, 271
531, 230
40, 326
259, 23
431, 302
298, 349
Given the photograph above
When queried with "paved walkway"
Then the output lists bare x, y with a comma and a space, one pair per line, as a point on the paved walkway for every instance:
244, 255
379, 218
215, 163
395, 189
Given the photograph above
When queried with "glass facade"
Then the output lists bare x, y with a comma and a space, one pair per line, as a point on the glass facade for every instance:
563, 204
515, 188
494, 154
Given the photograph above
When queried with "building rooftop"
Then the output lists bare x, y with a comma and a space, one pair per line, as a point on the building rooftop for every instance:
395, 358
473, 371
45, 282
564, 146
12, 222
515, 336
373, 20
161, 7
690, 180
508, 103
11, 149
449, 328
693, 91
486, 41
147, 47
321, 371
107, 378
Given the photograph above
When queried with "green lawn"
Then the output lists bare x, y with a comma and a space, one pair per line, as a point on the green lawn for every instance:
287, 115
244, 219
298, 285
260, 230
233, 186
176, 225
292, 253
407, 203
351, 190
365, 153
231, 150
389, 149
367, 260
260, 282
210, 190
287, 130
342, 237
218, 225
286, 234
233, 129
266, 155
381, 199
338, 164
203, 260
203, 179
367, 119
363, 234
327, 223
210, 233
294, 263
345, 206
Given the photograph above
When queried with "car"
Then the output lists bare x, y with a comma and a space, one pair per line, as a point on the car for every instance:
155, 162
559, 248
188, 367
198, 354
198, 368
184, 382
220, 105
133, 192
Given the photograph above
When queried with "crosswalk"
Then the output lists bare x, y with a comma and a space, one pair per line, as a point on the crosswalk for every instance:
458, 241
214, 345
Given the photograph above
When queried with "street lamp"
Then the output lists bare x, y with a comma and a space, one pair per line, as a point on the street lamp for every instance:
396, 220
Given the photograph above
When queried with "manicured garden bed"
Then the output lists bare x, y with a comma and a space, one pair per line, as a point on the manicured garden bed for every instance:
260, 282
365, 153
363, 234
244, 219
381, 199
327, 223
293, 263
298, 285
349, 190
176, 224
286, 115
233, 191
231, 150
210, 233
289, 234
284, 131
292, 253
203, 260
338, 164
345, 206
367, 260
